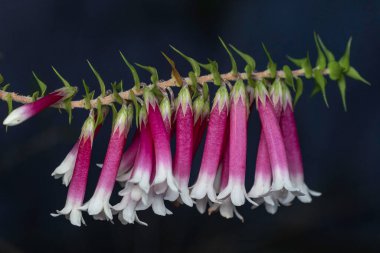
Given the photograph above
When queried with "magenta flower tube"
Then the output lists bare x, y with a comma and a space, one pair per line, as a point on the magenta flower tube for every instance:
27, 111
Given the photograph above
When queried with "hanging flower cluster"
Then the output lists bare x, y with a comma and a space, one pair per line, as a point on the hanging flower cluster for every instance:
151, 175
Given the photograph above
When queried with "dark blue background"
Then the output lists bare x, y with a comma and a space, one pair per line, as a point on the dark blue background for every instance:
341, 150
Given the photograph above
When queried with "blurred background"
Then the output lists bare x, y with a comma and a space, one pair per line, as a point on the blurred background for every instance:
340, 149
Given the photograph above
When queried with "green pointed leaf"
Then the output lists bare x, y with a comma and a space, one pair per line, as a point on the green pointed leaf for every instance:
234, 69
1, 79
342, 90
296, 61
246, 57
68, 109
175, 74
194, 64
35, 95
272, 66
321, 60
299, 90
99, 113
9, 103
328, 53
316, 90
115, 92
354, 74
212, 67
137, 106
303, 63
88, 95
321, 82
42, 85
288, 76
205, 91
154, 74
344, 61
136, 78
99, 78
5, 87
335, 70
114, 114
63, 80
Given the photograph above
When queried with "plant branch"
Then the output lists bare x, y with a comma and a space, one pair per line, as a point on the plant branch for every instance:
109, 99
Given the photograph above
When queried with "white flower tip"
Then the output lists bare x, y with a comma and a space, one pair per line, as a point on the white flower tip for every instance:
99, 165
272, 209
171, 195
201, 205
185, 197
199, 190
15, 117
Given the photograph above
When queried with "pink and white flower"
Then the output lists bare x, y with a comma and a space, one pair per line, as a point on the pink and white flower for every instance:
213, 147
99, 205
77, 187
128, 158
27, 111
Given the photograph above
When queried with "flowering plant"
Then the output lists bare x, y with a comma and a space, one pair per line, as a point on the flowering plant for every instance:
148, 171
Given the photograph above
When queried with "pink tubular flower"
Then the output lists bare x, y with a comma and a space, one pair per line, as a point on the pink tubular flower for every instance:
293, 152
163, 169
166, 113
274, 140
213, 147
99, 205
237, 147
201, 110
128, 159
184, 147
27, 111
78, 183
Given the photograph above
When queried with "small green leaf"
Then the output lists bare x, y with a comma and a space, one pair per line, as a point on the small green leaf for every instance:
247, 58
88, 96
42, 85
321, 82
354, 74
272, 66
1, 79
344, 61
299, 90
35, 95
328, 53
205, 91
137, 106
232, 59
99, 78
115, 92
9, 103
212, 67
342, 90
316, 90
154, 74
321, 60
136, 78
288, 76
68, 109
305, 64
63, 80
5, 87
194, 64
99, 113
175, 74
335, 70
114, 114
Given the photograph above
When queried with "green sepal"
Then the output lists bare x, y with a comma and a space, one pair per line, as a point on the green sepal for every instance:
153, 71
344, 61
342, 90
234, 69
212, 67
303, 63
42, 85
335, 70
175, 74
321, 82
88, 96
99, 78
328, 53
194, 64
115, 91
299, 90
132, 97
63, 80
247, 58
99, 118
354, 74
5, 87
136, 77
288, 76
194, 83
272, 66
69, 110
35, 95
316, 90
114, 114
9, 103
205, 91
321, 59
1, 79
